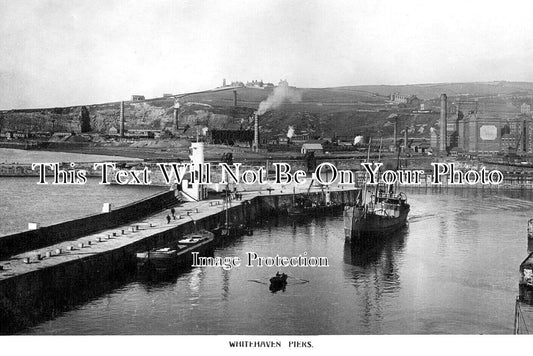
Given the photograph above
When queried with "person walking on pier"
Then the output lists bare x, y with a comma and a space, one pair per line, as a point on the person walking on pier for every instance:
173, 211
168, 219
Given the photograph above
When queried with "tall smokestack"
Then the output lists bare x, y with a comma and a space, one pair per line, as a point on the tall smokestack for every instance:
443, 116
235, 98
395, 133
405, 140
524, 137
256, 133
121, 119
176, 115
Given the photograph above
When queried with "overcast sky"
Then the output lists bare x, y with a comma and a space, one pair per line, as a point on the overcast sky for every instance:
59, 53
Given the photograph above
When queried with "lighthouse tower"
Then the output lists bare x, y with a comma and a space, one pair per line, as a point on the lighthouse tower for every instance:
191, 188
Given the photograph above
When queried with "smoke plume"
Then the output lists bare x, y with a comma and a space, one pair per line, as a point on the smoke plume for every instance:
290, 132
278, 96
357, 140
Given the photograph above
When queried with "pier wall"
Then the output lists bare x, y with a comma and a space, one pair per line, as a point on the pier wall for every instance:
49, 235
43, 293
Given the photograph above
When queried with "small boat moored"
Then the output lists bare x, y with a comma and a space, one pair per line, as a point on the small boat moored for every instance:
179, 254
158, 259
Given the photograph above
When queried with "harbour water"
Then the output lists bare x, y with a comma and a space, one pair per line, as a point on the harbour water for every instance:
22, 201
454, 269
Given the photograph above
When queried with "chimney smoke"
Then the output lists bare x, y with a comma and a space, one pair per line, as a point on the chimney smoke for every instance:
278, 96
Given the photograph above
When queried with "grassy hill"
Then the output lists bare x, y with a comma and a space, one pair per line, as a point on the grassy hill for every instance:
430, 91
323, 112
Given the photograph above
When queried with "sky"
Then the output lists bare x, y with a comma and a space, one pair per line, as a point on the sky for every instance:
63, 53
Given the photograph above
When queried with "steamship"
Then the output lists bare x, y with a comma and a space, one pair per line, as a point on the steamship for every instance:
385, 213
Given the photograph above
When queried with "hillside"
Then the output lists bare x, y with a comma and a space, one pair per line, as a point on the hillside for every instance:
430, 91
320, 112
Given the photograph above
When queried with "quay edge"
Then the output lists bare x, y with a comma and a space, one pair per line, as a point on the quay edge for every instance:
44, 291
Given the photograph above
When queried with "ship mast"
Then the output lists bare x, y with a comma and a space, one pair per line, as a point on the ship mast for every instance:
379, 158
368, 161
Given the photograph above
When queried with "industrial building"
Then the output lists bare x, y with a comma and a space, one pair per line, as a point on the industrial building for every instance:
312, 147
469, 131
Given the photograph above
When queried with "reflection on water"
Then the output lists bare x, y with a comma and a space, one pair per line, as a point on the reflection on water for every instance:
453, 269
375, 271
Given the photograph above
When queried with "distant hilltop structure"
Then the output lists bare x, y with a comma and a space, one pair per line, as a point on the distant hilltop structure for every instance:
410, 100
398, 98
525, 109
258, 84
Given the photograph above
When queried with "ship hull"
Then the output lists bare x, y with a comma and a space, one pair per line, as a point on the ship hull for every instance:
358, 225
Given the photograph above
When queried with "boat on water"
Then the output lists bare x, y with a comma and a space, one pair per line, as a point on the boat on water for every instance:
279, 279
383, 214
158, 259
302, 205
230, 230
278, 282
195, 238
178, 254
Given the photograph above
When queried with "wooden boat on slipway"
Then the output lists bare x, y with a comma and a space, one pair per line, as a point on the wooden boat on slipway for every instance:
178, 254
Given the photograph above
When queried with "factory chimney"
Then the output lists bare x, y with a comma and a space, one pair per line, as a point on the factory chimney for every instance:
443, 124
524, 135
256, 133
405, 142
235, 98
176, 114
395, 133
121, 119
